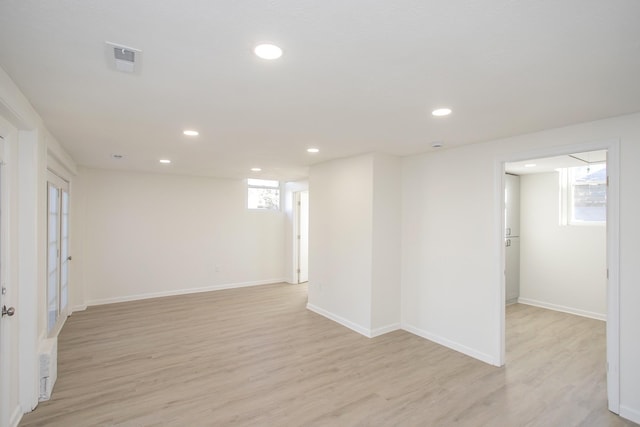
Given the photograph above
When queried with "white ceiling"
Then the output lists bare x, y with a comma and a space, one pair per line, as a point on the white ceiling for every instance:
356, 76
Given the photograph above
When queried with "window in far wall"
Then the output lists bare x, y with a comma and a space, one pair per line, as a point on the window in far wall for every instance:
584, 195
263, 194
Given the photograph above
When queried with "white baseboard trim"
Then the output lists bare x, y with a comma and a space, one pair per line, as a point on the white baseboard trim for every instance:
75, 308
486, 358
384, 330
101, 301
630, 414
341, 320
16, 416
562, 308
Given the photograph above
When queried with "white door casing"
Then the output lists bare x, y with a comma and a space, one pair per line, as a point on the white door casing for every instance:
9, 360
4, 365
303, 240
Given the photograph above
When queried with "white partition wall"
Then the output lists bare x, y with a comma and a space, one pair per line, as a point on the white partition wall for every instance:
340, 238
355, 242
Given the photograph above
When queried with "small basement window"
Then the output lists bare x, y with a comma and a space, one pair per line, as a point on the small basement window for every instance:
583, 192
263, 194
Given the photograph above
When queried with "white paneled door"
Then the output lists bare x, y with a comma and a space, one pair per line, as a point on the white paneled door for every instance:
53, 255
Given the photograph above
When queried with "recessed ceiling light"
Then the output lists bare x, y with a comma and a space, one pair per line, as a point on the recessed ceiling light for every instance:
440, 112
256, 169
191, 132
437, 145
313, 150
268, 51
530, 165
117, 156
165, 161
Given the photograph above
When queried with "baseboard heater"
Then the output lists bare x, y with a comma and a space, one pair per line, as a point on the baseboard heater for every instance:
48, 367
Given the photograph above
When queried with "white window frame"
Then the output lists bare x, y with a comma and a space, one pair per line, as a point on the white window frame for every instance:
255, 183
567, 203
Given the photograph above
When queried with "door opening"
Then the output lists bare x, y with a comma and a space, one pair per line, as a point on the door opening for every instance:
569, 226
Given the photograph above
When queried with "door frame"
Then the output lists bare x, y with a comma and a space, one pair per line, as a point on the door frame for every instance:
613, 250
10, 338
296, 233
5, 382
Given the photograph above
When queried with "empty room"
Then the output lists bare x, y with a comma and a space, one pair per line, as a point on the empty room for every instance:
293, 213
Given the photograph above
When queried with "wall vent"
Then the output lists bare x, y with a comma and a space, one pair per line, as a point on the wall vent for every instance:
48, 367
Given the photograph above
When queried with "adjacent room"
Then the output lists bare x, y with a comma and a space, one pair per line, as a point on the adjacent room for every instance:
556, 263
555, 233
294, 213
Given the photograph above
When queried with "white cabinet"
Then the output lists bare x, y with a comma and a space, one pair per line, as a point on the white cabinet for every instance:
512, 238
512, 269
512, 205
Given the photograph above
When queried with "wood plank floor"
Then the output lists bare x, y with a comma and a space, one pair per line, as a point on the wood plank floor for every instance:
256, 356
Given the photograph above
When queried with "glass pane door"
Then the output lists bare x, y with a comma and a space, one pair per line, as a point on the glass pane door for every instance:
53, 253
64, 251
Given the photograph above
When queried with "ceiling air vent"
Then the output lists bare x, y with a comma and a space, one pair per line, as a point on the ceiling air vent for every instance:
124, 57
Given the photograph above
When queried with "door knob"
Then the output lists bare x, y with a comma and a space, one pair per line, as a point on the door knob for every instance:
8, 311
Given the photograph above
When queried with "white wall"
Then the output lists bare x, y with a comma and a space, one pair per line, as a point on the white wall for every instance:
450, 263
32, 260
340, 240
386, 246
629, 128
561, 266
150, 235
77, 231
354, 250
452, 245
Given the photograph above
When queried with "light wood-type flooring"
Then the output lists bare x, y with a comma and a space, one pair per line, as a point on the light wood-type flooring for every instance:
256, 357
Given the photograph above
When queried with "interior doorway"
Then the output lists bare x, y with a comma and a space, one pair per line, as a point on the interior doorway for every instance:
584, 179
302, 235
